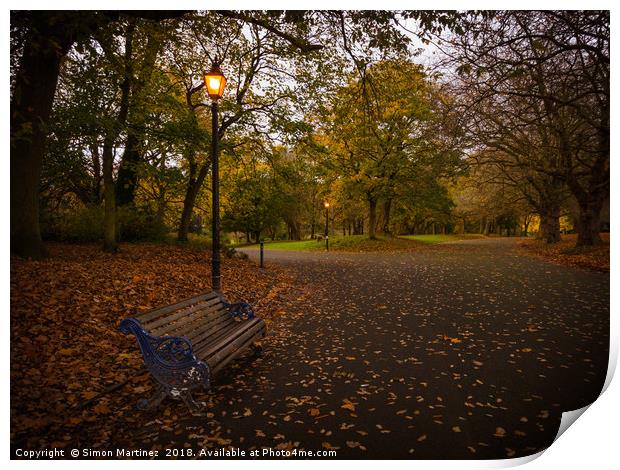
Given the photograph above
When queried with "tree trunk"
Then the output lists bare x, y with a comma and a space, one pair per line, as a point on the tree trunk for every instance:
191, 194
161, 211
590, 196
589, 224
127, 178
386, 209
356, 227
487, 226
96, 182
110, 232
526, 225
110, 242
31, 105
372, 219
49, 38
550, 223
293, 230
592, 192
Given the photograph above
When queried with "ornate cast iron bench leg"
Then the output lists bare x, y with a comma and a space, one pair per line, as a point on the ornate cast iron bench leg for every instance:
172, 363
195, 407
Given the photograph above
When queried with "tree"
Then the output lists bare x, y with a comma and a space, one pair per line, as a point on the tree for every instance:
254, 205
313, 42
148, 45
383, 134
273, 82
538, 84
41, 40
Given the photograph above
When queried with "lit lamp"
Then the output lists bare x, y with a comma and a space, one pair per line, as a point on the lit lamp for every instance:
326, 204
215, 81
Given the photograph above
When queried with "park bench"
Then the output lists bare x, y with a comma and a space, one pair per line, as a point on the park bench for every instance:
184, 344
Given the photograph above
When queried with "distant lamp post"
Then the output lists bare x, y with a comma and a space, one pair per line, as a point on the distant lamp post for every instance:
215, 81
326, 204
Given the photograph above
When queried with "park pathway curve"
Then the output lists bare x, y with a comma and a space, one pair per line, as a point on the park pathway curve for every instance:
462, 350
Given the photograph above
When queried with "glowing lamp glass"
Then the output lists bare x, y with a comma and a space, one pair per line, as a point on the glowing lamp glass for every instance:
215, 81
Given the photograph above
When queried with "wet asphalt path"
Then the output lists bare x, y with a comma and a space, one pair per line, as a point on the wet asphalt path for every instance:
461, 350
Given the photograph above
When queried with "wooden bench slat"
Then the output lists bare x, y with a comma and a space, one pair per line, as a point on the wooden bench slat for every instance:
213, 346
190, 316
150, 314
200, 324
211, 336
232, 349
219, 366
214, 325
172, 316
213, 340
187, 311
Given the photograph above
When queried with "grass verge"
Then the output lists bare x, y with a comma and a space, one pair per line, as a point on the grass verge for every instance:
361, 243
433, 239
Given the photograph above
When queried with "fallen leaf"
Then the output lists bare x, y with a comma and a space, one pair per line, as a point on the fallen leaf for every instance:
102, 409
347, 405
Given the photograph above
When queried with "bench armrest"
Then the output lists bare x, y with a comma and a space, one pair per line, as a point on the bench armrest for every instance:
170, 359
242, 310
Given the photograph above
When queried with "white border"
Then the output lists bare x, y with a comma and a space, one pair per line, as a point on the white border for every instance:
590, 443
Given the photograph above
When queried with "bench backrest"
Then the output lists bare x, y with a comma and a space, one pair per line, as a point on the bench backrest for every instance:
199, 318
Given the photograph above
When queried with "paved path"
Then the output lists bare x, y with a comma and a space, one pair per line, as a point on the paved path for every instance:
464, 350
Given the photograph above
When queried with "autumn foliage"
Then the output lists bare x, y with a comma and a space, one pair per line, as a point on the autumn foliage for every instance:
74, 377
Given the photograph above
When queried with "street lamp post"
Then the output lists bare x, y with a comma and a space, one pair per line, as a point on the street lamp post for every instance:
326, 226
215, 81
